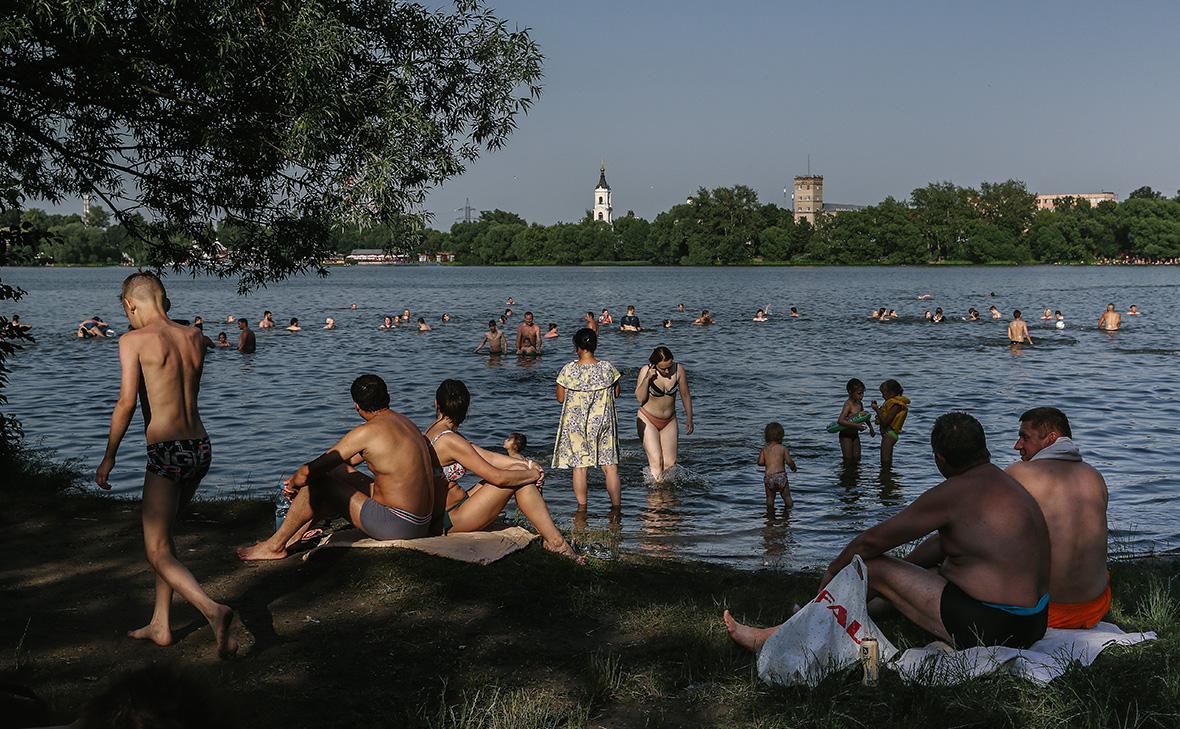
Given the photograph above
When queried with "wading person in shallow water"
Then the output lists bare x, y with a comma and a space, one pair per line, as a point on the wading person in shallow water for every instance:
656, 387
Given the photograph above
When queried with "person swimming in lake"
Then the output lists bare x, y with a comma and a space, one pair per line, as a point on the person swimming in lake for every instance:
388, 323
528, 336
656, 387
996, 313
606, 318
630, 322
1133, 311
267, 321
794, 312
1047, 315
1059, 319
222, 340
94, 327
552, 333
494, 338
775, 458
973, 314
667, 323
1018, 329
329, 323
423, 326
938, 315
852, 420
928, 316
680, 308
294, 325
446, 317
890, 417
591, 323
704, 319
1110, 320
760, 315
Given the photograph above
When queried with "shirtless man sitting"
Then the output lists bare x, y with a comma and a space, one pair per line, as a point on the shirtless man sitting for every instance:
1073, 497
396, 502
991, 552
1110, 319
161, 367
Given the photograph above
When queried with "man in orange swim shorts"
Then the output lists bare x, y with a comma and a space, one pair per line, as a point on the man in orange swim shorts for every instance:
1072, 495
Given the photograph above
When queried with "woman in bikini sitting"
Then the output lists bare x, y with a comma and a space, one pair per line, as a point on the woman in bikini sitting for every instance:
658, 383
504, 477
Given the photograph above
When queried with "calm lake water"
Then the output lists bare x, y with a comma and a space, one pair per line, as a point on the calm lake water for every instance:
267, 413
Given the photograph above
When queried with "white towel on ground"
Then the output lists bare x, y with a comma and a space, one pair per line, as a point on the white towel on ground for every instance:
1044, 661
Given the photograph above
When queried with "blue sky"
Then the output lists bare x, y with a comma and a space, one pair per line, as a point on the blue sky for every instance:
884, 96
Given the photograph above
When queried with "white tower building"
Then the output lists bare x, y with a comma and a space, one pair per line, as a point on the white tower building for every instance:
602, 205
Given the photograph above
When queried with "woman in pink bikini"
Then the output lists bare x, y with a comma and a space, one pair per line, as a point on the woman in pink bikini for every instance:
656, 388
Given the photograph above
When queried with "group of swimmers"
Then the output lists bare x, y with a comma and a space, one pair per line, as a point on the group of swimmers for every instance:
986, 576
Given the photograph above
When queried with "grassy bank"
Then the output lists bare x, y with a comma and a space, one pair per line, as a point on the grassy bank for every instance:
389, 638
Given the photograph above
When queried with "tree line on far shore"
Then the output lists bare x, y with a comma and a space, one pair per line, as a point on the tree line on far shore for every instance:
942, 222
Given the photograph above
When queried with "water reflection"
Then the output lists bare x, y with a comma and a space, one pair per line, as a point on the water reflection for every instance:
660, 520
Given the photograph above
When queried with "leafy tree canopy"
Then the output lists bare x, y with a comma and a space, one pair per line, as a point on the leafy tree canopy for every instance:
283, 120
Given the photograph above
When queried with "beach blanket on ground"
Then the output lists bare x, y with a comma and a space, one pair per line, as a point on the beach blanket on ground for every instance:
474, 547
938, 665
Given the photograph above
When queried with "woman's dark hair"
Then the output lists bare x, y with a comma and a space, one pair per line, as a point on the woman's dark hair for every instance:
453, 399
893, 387
370, 393
660, 354
294, 321
586, 340
421, 320
959, 439
854, 384
773, 433
552, 325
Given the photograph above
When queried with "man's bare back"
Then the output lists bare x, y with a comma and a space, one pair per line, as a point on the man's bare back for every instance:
1110, 320
399, 458
1073, 498
992, 526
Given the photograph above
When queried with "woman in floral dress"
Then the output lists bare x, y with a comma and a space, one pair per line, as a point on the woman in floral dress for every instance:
588, 434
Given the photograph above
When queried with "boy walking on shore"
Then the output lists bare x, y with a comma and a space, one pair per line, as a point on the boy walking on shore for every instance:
161, 367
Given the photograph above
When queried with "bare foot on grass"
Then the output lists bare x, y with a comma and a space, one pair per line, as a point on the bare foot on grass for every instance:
746, 636
222, 624
158, 634
260, 551
565, 550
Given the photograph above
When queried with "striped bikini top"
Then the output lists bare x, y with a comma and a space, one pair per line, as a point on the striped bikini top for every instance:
454, 471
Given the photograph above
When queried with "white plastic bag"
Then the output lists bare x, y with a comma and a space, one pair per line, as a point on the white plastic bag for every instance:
824, 636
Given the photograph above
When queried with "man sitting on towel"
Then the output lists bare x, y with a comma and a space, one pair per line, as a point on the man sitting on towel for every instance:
397, 502
1073, 497
991, 552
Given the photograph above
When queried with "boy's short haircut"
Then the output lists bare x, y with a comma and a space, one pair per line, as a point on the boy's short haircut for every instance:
773, 432
959, 439
892, 386
853, 385
370, 393
1016, 314
1047, 420
519, 442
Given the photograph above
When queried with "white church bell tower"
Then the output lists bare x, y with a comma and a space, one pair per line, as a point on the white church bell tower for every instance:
602, 205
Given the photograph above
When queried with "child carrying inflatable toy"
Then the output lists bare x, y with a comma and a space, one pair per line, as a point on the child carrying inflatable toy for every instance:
852, 420
891, 416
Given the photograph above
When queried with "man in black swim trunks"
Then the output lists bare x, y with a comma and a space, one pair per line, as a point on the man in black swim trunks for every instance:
981, 577
161, 362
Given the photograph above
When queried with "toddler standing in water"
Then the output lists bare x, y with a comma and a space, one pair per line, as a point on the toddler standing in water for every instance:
891, 416
852, 420
776, 458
